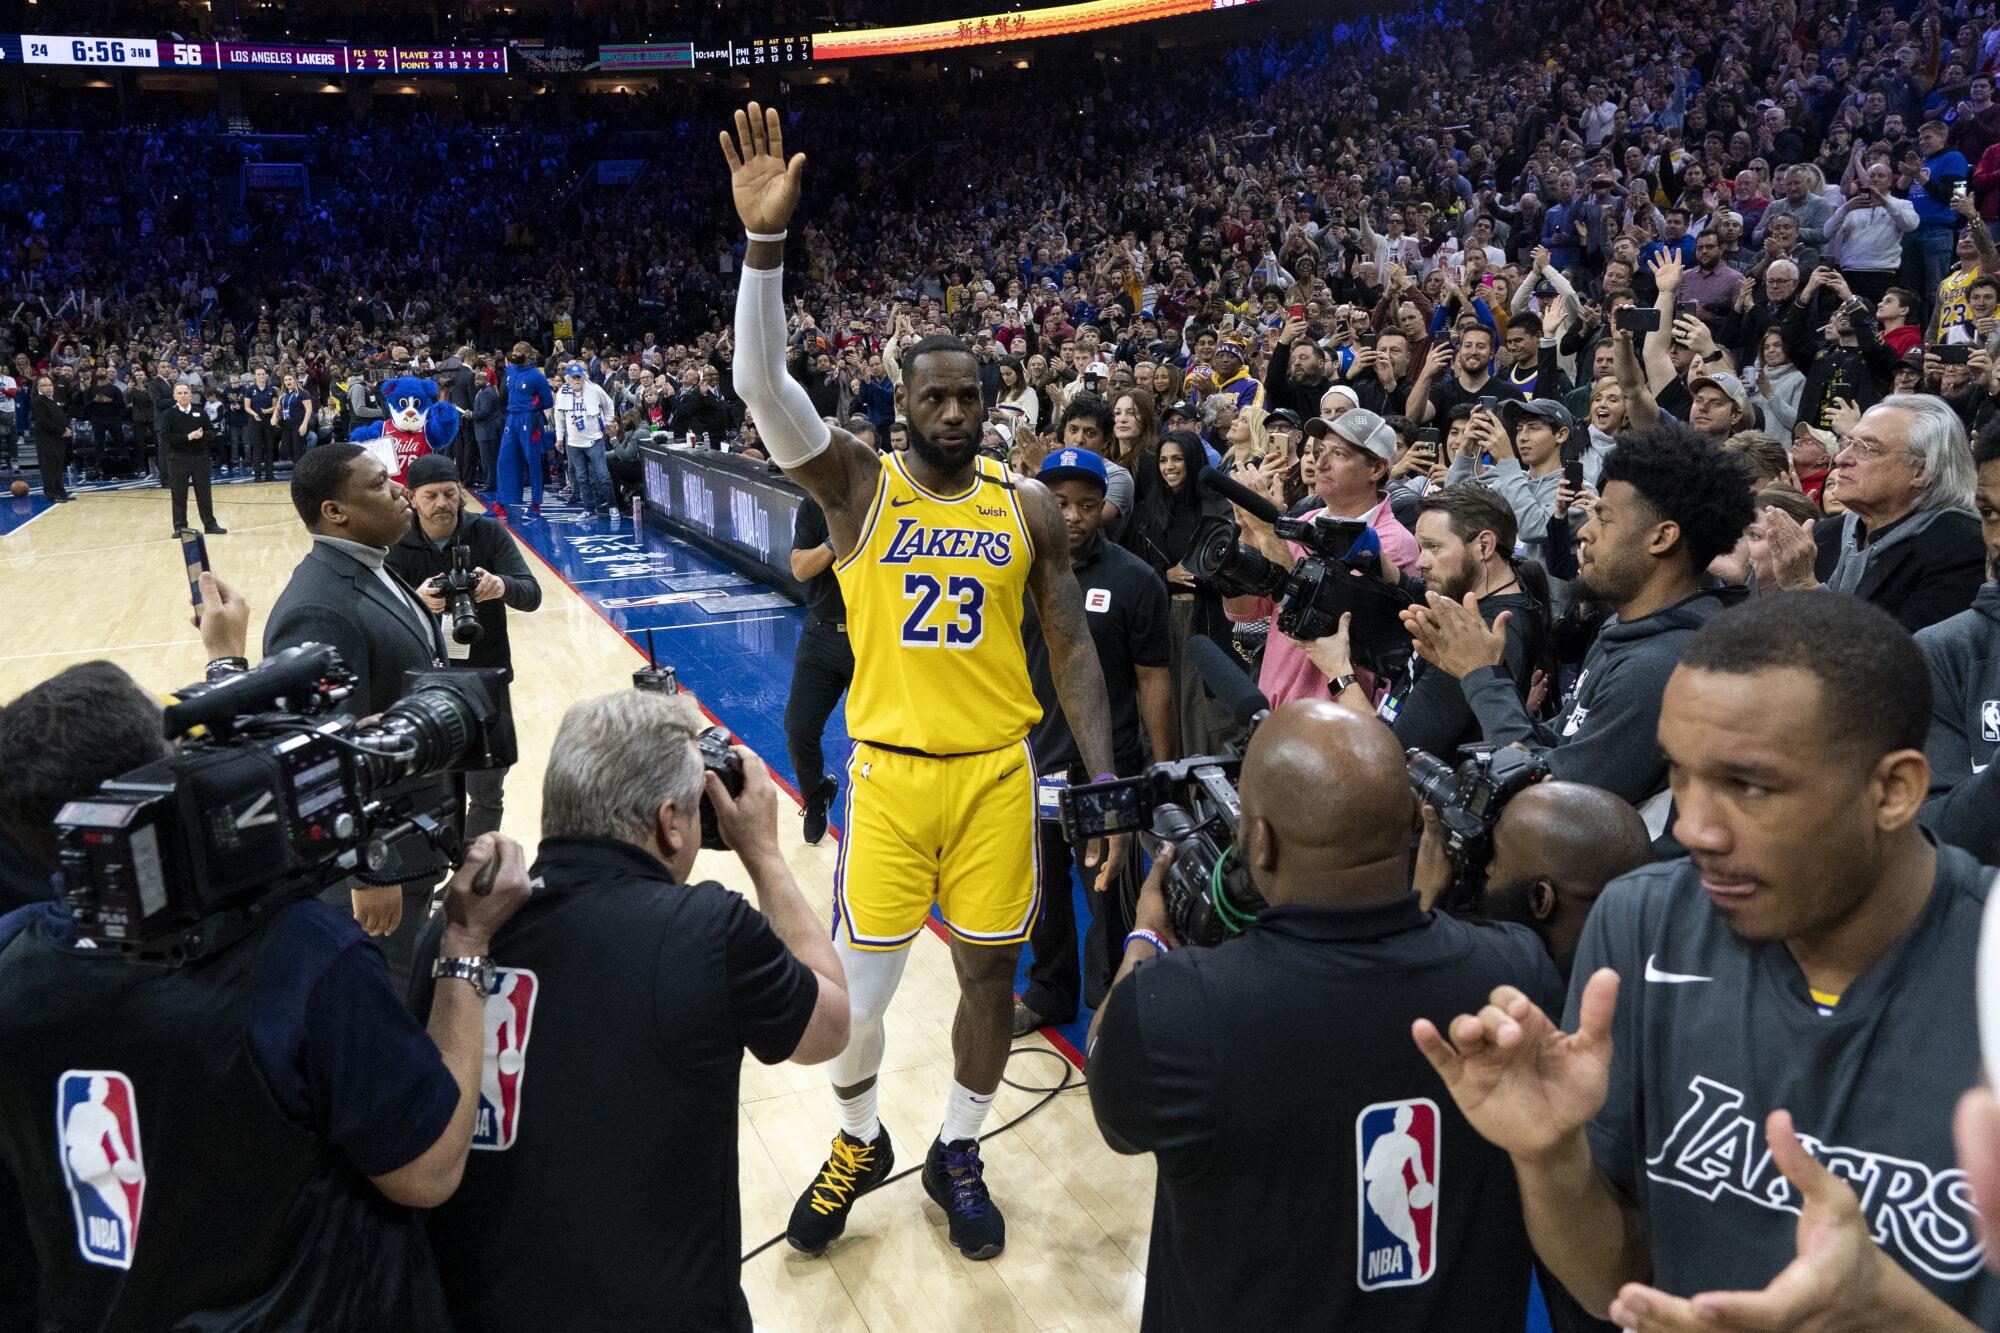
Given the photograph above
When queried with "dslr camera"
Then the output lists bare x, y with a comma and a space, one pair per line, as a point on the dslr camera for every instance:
1468, 800
1193, 804
712, 742
271, 797
457, 586
1340, 574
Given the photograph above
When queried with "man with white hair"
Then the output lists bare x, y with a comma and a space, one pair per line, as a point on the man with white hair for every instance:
1909, 539
620, 963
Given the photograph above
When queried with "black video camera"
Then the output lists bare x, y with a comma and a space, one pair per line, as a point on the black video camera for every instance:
1341, 575
276, 799
1191, 803
457, 587
1468, 800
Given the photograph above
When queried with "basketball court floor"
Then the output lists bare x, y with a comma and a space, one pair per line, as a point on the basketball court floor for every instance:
101, 578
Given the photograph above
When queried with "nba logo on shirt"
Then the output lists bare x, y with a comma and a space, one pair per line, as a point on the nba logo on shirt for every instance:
510, 1010
1989, 720
1396, 1178
97, 1133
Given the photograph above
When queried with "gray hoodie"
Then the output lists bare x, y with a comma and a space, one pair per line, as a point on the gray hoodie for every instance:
1605, 734
1963, 654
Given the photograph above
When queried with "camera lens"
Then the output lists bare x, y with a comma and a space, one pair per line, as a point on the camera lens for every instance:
1435, 781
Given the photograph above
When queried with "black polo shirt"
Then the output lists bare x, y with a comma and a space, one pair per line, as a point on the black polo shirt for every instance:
1126, 605
1270, 1077
601, 1191
823, 599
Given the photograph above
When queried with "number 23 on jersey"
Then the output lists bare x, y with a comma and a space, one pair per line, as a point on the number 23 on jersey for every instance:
950, 612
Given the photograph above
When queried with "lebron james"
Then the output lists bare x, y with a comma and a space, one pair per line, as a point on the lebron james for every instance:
935, 550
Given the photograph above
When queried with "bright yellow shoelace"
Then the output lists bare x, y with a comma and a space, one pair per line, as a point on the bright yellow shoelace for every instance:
836, 1180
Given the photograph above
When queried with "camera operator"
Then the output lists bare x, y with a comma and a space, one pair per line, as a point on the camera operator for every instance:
276, 1187
1465, 549
1813, 906
345, 594
1553, 849
1126, 605
1273, 1077
1670, 503
1963, 657
620, 964
1349, 474
423, 559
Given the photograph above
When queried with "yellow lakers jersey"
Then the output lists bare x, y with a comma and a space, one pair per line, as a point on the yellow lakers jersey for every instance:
935, 591
1953, 309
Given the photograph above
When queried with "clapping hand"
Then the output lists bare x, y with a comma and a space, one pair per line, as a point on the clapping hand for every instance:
1793, 550
1846, 416
1453, 636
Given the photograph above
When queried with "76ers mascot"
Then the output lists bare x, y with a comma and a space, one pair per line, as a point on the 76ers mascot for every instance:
417, 424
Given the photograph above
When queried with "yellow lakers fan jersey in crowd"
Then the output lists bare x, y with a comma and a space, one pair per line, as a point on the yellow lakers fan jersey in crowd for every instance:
934, 595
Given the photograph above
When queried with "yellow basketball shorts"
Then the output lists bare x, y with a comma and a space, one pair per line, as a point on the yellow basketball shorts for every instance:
960, 831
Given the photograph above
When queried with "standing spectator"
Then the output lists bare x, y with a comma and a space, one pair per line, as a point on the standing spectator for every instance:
295, 420
1931, 184
1163, 531
489, 413
1869, 229
584, 421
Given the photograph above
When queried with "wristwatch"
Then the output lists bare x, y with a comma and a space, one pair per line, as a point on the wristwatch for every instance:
1339, 684
478, 971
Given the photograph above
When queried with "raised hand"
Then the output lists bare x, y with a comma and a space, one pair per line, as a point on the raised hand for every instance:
1521, 1081
764, 185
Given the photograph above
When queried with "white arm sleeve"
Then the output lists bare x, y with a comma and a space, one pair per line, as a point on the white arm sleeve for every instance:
786, 421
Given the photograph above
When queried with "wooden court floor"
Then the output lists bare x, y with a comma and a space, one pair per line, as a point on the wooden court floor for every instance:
101, 579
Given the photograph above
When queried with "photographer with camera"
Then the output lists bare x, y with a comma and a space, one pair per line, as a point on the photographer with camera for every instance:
346, 595
292, 1110
1670, 502
1294, 1126
611, 1202
466, 570
1349, 476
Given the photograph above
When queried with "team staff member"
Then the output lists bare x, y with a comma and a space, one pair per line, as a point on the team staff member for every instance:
506, 583
184, 436
260, 411
345, 594
1670, 504
1813, 906
621, 964
528, 394
1126, 603
822, 668
1273, 1080
276, 1187
52, 437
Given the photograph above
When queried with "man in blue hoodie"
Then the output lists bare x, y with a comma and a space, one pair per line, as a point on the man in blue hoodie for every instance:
1669, 503
1963, 655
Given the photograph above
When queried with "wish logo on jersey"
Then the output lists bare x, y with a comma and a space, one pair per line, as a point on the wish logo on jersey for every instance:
1396, 1177
97, 1130
510, 1014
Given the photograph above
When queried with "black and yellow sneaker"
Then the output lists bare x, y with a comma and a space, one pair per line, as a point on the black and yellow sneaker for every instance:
955, 1179
852, 1169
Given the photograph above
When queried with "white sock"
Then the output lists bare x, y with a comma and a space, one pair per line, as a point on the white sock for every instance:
964, 1112
857, 1115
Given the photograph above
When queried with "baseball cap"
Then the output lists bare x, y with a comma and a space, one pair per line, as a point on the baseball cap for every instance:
429, 470
1283, 416
1361, 428
1730, 386
1181, 409
1097, 370
1074, 464
573, 368
1548, 409
1828, 440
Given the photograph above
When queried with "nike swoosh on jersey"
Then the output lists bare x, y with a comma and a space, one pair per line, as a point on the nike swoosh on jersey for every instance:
906, 500
1669, 978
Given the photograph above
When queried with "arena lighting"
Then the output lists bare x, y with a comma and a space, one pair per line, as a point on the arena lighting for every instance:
1019, 25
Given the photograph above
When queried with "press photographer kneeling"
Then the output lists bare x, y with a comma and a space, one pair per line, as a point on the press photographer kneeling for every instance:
212, 1099
1270, 1076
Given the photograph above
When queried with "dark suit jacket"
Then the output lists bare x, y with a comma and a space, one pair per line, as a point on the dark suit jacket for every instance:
335, 599
1931, 577
175, 425
51, 418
